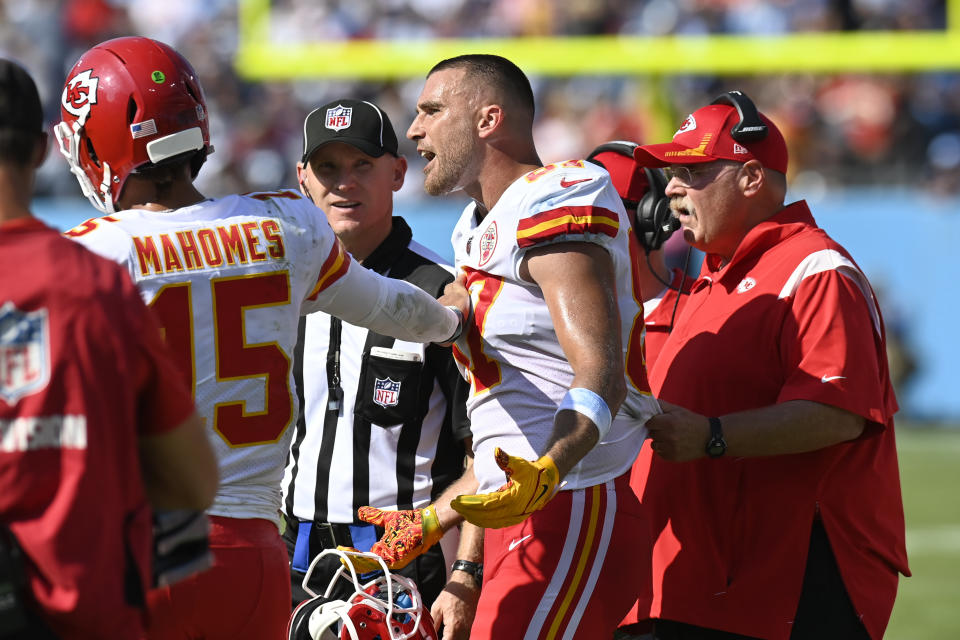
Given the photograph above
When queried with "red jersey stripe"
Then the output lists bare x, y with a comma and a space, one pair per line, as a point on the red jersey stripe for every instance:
332, 270
566, 221
587, 548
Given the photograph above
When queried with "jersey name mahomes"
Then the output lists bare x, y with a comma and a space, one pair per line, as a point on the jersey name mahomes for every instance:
195, 249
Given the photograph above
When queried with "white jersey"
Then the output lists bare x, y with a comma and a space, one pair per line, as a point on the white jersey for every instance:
228, 280
518, 370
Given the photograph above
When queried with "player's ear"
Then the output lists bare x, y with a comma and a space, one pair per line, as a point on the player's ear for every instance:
41, 150
491, 118
399, 172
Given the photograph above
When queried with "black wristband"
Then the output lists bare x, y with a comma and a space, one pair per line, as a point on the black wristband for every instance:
473, 568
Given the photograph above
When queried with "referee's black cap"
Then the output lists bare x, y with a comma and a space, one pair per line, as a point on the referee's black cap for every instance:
359, 123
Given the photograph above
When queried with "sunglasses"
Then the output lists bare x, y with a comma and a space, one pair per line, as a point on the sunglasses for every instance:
692, 175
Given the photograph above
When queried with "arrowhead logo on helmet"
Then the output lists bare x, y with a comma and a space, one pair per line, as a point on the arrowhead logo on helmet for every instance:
79, 93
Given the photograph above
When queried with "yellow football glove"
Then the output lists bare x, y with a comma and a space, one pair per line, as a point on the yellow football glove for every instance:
407, 534
530, 485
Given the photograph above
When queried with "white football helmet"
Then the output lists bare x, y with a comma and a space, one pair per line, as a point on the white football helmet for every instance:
387, 607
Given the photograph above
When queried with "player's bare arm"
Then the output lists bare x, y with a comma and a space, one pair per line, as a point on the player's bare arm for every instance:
577, 284
179, 467
456, 606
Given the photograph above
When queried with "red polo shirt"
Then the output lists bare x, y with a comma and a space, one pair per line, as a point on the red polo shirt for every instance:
659, 316
83, 373
790, 317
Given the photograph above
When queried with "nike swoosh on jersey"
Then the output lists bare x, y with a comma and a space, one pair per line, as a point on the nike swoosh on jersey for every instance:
543, 490
565, 184
516, 543
826, 379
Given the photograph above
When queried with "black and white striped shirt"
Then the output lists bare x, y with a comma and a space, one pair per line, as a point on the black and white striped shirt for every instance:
395, 440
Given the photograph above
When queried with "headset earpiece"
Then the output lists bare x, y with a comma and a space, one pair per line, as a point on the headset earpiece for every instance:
623, 147
653, 222
750, 128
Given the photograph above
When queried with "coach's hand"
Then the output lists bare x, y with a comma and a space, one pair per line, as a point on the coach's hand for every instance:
407, 534
530, 485
677, 434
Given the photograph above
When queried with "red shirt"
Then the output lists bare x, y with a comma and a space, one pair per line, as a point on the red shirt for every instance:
790, 317
83, 373
660, 314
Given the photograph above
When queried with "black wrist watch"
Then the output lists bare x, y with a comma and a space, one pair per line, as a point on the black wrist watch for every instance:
717, 446
473, 568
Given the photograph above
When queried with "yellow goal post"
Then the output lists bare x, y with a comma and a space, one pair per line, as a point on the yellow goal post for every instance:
260, 58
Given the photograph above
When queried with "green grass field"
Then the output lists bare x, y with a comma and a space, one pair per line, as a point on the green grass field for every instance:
928, 604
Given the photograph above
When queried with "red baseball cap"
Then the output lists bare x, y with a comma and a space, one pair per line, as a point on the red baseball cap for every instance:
705, 136
625, 172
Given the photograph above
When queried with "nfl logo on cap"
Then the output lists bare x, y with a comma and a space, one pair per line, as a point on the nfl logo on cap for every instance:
386, 392
339, 117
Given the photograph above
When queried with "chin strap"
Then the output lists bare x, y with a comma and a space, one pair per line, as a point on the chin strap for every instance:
69, 139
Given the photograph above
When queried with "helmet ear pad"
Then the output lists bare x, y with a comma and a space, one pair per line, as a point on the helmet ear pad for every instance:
387, 606
653, 222
299, 625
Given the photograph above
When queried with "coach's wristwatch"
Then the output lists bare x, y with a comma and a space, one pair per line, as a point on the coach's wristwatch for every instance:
473, 568
717, 446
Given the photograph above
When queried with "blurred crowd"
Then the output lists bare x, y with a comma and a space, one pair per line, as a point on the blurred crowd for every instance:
843, 130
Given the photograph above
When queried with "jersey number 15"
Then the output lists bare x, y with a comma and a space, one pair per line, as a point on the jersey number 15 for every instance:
235, 358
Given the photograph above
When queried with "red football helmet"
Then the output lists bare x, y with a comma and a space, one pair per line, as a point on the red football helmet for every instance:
129, 102
388, 607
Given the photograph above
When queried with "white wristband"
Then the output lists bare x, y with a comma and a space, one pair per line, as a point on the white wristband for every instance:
588, 403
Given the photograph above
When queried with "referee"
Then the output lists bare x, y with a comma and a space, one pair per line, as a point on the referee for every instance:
383, 422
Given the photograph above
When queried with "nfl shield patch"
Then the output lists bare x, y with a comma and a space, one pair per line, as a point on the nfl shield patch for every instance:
339, 117
386, 392
24, 352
